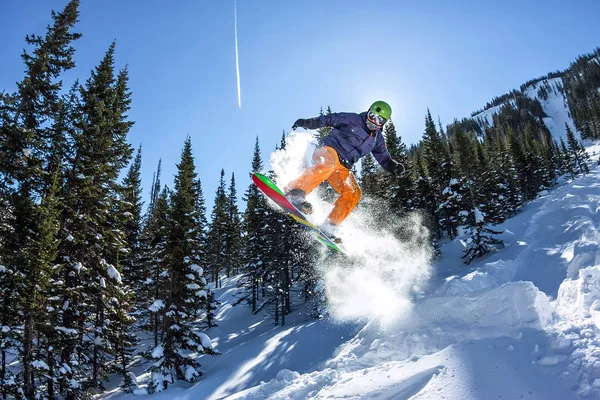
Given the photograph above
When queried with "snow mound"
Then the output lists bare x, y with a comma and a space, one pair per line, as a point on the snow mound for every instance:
492, 274
578, 334
582, 295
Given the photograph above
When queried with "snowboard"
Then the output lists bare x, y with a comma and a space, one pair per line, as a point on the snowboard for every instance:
268, 187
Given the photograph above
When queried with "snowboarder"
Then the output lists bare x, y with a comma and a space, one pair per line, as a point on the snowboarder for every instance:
352, 137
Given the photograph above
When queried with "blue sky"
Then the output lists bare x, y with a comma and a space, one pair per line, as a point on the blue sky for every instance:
299, 56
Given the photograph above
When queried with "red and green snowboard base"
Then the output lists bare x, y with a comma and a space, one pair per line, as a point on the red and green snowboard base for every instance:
274, 193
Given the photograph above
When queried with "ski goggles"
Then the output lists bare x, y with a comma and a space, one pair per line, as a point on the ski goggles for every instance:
375, 118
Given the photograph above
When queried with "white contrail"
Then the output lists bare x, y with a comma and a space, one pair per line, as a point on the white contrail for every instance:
237, 57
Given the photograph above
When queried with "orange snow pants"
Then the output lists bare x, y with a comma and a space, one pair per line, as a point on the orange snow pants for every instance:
328, 167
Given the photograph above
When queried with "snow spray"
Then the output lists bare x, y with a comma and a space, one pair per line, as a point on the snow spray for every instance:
388, 257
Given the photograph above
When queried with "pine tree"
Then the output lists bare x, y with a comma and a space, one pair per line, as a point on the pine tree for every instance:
521, 165
552, 160
464, 188
218, 232
29, 167
322, 132
577, 151
398, 189
437, 162
255, 233
481, 240
92, 233
186, 296
368, 176
233, 238
568, 161
132, 210
156, 271
202, 222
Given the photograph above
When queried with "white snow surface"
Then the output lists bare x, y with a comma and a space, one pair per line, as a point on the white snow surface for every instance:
113, 273
523, 322
205, 340
157, 305
555, 107
158, 352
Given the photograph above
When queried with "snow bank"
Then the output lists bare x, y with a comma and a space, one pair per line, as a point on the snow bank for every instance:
578, 334
582, 295
490, 275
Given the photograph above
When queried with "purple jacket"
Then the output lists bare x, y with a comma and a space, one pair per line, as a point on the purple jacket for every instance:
351, 138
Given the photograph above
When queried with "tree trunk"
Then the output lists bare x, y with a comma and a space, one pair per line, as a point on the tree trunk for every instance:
27, 349
50, 381
4, 337
254, 293
277, 304
287, 285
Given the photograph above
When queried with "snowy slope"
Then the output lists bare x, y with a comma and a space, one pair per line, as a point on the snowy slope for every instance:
252, 350
524, 323
555, 107
521, 323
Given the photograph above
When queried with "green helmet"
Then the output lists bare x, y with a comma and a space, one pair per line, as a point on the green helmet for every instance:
381, 108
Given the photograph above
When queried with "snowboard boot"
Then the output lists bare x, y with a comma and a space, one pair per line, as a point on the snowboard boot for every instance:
297, 198
331, 231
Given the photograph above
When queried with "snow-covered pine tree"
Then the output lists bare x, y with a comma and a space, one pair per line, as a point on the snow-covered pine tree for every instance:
551, 157
568, 161
30, 172
425, 198
451, 206
255, 238
186, 296
285, 240
581, 82
8, 293
123, 337
437, 162
233, 238
464, 188
155, 284
132, 211
536, 164
92, 233
217, 232
297, 263
40, 316
578, 154
505, 194
481, 240
399, 190
368, 176
521, 165
489, 191
203, 261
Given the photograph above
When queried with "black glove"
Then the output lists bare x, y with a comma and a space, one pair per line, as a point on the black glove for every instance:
298, 124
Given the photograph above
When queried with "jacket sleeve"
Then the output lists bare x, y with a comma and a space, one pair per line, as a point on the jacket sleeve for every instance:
383, 157
333, 119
